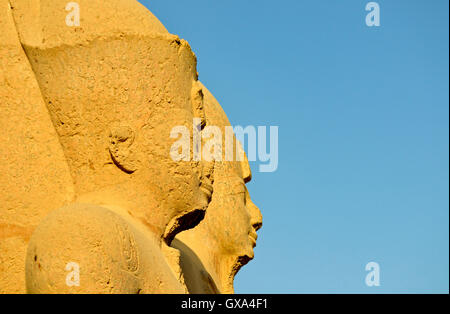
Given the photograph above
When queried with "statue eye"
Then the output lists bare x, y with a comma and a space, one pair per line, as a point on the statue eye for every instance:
240, 190
246, 197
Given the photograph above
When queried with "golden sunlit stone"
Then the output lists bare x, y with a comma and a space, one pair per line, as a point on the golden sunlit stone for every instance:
87, 177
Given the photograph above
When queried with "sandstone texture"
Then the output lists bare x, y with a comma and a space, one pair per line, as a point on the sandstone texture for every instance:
91, 200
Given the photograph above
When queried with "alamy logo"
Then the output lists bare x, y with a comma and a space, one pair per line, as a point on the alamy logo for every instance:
73, 277
73, 17
373, 277
373, 18
212, 149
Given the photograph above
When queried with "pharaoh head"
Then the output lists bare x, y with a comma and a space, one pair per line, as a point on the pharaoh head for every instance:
114, 86
215, 250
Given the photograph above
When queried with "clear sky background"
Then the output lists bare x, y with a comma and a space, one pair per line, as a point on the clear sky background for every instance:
363, 120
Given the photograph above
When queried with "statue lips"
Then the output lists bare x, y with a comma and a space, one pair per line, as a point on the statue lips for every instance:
207, 188
206, 179
253, 236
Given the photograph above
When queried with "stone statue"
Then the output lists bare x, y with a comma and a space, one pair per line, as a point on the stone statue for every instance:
214, 251
87, 177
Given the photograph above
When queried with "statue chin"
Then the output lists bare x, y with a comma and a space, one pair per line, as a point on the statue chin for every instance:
98, 205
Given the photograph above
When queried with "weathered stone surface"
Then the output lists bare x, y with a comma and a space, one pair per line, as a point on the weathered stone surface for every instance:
35, 177
86, 172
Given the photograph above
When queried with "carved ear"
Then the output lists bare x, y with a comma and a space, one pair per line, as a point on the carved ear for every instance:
121, 139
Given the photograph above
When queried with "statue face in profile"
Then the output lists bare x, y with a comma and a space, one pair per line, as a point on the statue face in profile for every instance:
214, 251
238, 217
233, 219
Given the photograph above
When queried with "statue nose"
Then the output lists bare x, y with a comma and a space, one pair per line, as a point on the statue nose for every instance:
255, 215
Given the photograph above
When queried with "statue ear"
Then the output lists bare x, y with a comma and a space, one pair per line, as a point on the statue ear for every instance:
121, 139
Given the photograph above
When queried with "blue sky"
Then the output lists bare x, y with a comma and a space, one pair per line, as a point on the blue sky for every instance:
363, 120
